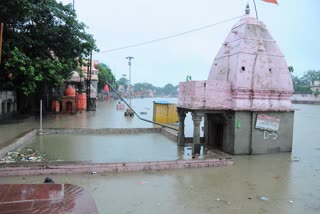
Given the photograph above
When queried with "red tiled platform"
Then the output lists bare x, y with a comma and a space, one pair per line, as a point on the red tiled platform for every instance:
45, 198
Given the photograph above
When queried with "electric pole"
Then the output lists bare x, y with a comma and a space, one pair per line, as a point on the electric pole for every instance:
129, 58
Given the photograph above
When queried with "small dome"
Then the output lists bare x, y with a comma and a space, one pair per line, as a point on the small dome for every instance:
75, 74
75, 77
70, 91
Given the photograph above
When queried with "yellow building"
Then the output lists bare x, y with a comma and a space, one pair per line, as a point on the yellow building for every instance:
164, 112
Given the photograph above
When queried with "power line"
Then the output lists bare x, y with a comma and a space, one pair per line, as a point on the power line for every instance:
168, 37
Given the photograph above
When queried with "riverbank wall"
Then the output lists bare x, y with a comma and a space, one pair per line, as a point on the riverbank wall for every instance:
305, 99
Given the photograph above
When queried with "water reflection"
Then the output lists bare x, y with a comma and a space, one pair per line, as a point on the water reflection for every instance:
187, 152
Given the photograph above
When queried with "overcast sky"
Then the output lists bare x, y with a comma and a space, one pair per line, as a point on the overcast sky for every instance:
294, 24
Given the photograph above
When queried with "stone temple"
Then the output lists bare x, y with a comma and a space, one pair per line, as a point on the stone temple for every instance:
245, 102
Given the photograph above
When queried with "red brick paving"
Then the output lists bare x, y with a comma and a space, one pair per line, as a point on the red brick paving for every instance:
45, 198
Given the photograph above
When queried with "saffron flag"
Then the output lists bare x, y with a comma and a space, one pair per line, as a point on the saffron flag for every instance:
271, 1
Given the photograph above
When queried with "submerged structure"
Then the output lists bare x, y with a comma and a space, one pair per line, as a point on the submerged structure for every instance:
245, 102
8, 103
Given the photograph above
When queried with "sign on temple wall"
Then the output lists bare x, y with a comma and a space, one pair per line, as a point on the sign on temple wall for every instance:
266, 122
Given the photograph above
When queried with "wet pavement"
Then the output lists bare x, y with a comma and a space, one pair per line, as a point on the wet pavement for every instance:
274, 183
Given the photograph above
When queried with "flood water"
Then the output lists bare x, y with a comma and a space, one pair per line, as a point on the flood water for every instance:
107, 148
274, 183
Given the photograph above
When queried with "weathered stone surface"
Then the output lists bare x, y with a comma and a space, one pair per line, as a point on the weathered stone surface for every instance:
102, 131
249, 73
78, 167
205, 95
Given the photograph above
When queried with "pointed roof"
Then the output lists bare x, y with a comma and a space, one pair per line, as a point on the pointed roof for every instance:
251, 60
249, 73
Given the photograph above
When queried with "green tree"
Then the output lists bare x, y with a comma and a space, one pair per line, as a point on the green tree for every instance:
302, 85
291, 69
42, 44
123, 81
143, 87
311, 76
105, 75
169, 90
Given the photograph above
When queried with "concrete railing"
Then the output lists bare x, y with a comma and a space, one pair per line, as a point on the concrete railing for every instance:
305, 98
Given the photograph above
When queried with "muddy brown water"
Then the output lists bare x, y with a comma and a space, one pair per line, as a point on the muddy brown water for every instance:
287, 182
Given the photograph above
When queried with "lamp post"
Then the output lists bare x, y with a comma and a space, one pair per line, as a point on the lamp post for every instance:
129, 58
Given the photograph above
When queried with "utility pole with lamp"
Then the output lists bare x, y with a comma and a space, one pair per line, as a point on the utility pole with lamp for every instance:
128, 111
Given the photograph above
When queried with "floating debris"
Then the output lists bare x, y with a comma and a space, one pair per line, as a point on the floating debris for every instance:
142, 182
294, 159
48, 180
24, 155
223, 201
262, 198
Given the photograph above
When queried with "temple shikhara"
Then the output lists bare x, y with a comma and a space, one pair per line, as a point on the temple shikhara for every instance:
245, 102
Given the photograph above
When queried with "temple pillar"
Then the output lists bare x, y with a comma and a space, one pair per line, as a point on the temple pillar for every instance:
206, 130
181, 136
0, 106
197, 118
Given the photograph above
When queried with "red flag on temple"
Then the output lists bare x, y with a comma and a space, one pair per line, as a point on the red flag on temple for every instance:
271, 1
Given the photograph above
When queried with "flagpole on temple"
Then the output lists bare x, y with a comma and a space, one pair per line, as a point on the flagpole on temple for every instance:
255, 8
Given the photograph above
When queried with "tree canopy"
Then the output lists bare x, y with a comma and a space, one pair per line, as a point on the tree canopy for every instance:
123, 81
105, 75
167, 90
42, 44
303, 85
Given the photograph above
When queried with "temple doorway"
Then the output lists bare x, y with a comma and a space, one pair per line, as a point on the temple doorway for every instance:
69, 107
216, 128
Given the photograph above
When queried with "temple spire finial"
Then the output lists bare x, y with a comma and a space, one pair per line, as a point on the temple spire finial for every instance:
247, 9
